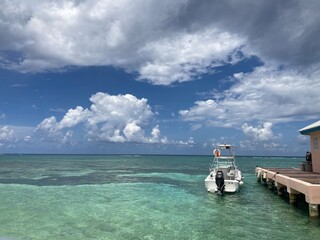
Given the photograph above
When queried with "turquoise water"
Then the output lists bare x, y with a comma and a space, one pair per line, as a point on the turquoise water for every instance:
140, 197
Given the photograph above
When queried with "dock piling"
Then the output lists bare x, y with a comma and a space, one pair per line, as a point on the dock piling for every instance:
292, 198
313, 210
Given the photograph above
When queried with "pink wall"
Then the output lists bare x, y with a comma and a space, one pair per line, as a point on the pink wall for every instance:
315, 150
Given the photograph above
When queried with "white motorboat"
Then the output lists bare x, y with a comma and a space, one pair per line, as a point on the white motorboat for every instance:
224, 175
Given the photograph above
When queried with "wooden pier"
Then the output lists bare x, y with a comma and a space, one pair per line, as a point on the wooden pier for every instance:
295, 182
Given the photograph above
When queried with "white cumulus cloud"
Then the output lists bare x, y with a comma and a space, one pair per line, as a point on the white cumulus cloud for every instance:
114, 118
73, 117
7, 136
263, 133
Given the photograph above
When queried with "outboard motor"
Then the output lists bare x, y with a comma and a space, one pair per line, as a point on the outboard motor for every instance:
220, 182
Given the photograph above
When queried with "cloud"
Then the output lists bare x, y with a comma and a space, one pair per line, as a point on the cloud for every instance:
49, 130
186, 56
178, 39
7, 136
156, 136
275, 95
27, 139
162, 41
112, 118
207, 113
303, 140
73, 117
140, 37
201, 111
48, 125
189, 142
13, 136
249, 146
266, 94
263, 133
267, 27
118, 118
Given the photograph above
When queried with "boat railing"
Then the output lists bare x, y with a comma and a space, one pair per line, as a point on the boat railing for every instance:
224, 164
225, 157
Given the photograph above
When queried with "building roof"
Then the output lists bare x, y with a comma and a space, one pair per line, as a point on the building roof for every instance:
310, 128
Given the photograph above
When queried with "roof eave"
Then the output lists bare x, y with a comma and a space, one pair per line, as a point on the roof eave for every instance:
307, 131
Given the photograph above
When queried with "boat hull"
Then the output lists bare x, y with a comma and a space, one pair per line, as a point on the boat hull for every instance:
230, 185
224, 175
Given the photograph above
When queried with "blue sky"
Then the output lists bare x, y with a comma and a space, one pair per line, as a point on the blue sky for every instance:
158, 77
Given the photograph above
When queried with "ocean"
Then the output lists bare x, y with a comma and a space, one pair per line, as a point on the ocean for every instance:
141, 197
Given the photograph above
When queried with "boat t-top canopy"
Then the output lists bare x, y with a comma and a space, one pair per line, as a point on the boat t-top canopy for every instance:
226, 148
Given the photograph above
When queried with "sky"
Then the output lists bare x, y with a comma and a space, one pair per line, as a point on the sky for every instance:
158, 77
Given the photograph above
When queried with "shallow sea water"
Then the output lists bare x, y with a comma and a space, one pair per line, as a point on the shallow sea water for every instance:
140, 197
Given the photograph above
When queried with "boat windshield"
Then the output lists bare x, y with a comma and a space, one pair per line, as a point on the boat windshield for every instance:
224, 162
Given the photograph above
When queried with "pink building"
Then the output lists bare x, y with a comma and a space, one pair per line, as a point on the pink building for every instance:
313, 130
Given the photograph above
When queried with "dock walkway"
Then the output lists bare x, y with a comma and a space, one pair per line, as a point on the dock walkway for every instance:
295, 182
